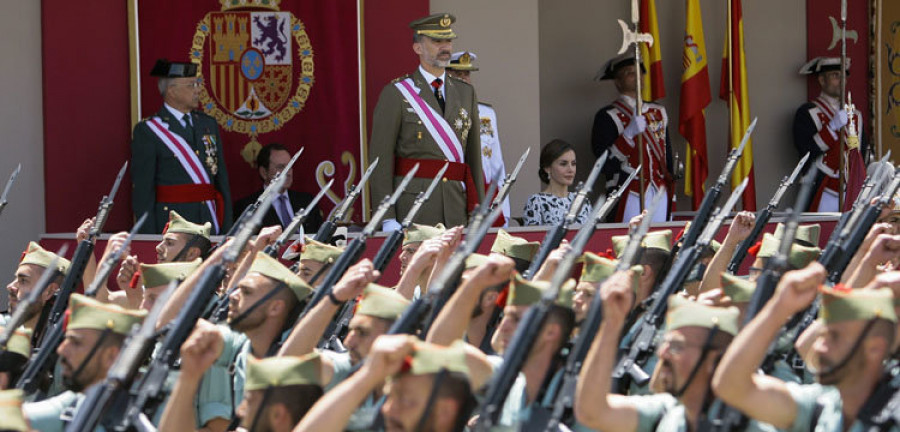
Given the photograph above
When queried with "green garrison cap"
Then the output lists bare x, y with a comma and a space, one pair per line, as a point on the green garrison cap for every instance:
687, 313
11, 416
39, 256
178, 224
475, 260
430, 358
435, 26
800, 255
381, 302
321, 252
857, 305
283, 371
597, 268
807, 233
19, 342
524, 292
514, 247
161, 274
87, 313
271, 268
656, 239
419, 233
738, 288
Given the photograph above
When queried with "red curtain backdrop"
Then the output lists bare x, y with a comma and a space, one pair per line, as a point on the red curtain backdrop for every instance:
87, 127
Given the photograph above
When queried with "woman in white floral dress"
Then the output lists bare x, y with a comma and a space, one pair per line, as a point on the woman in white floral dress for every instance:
557, 172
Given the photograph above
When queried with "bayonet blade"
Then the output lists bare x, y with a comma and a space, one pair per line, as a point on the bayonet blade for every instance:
319, 195
345, 205
798, 168
403, 184
115, 188
595, 170
746, 137
636, 236
436, 180
9, 183
515, 173
291, 163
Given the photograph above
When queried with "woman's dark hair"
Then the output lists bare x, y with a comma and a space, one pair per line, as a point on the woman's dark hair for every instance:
549, 153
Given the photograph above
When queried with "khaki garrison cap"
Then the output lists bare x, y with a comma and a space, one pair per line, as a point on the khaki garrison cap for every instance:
381, 302
857, 305
687, 313
87, 313
283, 371
11, 416
514, 247
41, 257
419, 233
271, 268
178, 224
155, 275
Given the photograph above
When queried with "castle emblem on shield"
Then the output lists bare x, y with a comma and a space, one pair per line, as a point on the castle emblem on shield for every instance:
257, 66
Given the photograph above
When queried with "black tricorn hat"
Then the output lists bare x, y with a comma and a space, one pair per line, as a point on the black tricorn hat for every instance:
166, 69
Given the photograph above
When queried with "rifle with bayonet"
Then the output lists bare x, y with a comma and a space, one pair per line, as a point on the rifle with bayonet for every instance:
297, 221
531, 324
564, 399
728, 418
836, 257
485, 216
113, 390
326, 231
446, 281
393, 241
147, 393
643, 345
269, 190
4, 199
108, 264
712, 195
19, 315
762, 218
509, 181
349, 257
875, 181
40, 361
338, 328
556, 234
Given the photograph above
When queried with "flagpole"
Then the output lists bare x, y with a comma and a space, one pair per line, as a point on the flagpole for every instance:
842, 141
729, 70
638, 99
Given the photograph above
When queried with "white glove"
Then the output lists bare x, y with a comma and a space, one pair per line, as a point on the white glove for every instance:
636, 127
390, 225
838, 121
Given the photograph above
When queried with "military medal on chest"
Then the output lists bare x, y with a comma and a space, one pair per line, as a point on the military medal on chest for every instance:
209, 146
486, 128
463, 123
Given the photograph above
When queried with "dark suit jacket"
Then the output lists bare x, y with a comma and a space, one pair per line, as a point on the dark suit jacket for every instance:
152, 164
299, 200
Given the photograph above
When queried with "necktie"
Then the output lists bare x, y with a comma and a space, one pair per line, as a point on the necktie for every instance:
284, 212
187, 125
437, 93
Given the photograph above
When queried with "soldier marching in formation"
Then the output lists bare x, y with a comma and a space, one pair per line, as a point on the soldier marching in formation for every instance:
662, 333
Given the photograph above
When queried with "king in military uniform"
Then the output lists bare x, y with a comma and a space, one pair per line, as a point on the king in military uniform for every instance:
176, 157
430, 119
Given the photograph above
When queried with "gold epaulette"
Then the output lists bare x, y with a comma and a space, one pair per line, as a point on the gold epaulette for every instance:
398, 79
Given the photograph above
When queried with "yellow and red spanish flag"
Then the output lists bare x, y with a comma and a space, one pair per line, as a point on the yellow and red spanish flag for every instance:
733, 90
653, 87
695, 97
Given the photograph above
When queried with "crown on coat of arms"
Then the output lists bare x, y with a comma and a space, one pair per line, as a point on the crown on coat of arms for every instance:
240, 4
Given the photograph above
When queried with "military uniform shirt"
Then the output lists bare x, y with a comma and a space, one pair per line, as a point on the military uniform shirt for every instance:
46, 415
831, 418
363, 417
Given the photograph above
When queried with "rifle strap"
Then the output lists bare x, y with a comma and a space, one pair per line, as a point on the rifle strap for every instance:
187, 246
704, 351
432, 398
278, 287
103, 335
862, 336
